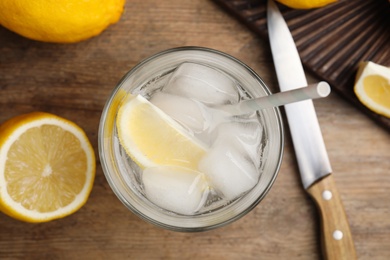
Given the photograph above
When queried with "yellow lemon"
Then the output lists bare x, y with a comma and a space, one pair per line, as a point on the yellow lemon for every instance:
47, 167
305, 4
61, 21
152, 138
372, 87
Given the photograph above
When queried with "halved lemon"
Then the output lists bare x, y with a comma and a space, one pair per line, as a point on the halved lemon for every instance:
152, 138
372, 87
47, 167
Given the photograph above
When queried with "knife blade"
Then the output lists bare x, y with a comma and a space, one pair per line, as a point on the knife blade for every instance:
312, 157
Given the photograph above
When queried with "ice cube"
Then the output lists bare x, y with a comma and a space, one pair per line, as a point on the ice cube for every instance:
189, 113
203, 84
176, 189
245, 136
232, 164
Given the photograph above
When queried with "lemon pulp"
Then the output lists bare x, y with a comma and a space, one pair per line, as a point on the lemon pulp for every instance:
47, 167
378, 89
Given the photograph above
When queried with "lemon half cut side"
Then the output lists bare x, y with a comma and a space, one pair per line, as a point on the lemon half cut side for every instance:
372, 87
47, 167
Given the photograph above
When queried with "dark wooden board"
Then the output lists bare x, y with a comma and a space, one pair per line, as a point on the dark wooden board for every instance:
331, 40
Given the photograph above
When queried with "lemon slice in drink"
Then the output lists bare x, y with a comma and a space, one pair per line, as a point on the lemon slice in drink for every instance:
152, 138
372, 87
47, 167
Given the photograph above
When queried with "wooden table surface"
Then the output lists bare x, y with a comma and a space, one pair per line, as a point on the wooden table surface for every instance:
74, 81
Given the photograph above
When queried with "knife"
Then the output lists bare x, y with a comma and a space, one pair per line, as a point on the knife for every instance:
313, 161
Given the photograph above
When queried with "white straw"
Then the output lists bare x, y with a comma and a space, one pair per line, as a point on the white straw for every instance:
319, 90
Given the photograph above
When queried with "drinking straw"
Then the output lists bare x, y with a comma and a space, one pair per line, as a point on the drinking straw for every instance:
313, 91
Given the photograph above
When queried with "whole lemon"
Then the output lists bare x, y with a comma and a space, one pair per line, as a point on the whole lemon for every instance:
61, 21
306, 4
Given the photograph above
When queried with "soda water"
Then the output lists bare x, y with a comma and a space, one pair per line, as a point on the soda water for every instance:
235, 145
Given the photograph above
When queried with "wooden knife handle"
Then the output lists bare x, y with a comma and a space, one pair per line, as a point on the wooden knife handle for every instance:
336, 235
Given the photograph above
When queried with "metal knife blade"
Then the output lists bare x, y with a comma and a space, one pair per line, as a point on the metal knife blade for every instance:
313, 161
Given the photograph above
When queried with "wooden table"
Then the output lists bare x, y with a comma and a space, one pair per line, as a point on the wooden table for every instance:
74, 81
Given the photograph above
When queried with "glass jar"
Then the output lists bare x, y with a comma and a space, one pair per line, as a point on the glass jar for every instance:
122, 174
